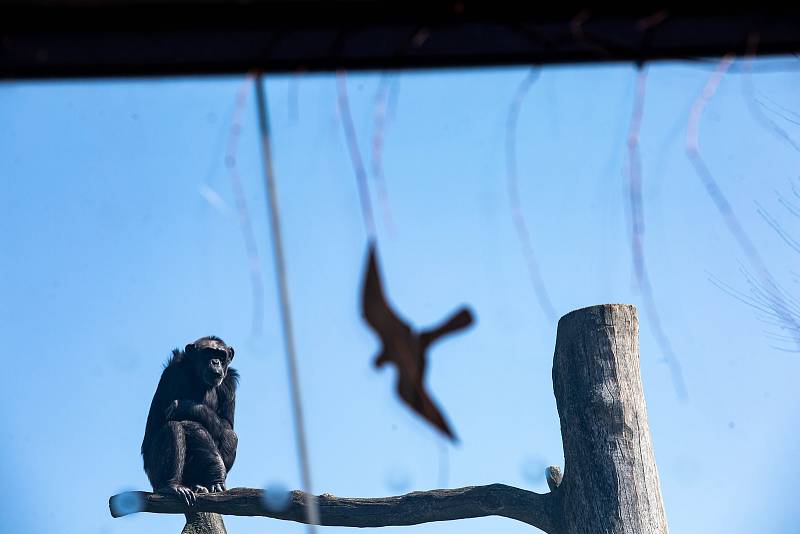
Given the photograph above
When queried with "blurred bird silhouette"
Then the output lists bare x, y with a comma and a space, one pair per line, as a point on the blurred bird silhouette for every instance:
405, 347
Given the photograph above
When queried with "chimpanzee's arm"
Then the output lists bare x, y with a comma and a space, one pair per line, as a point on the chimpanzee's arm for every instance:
216, 422
162, 398
219, 424
228, 441
186, 410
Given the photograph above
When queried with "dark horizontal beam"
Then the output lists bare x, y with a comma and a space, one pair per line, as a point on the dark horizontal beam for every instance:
71, 38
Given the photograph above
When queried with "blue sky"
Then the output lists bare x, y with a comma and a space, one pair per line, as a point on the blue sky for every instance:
122, 240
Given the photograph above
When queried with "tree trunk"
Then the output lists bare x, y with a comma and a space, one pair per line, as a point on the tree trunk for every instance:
610, 482
204, 523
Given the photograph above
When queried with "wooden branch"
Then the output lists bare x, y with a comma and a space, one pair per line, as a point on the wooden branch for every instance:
410, 509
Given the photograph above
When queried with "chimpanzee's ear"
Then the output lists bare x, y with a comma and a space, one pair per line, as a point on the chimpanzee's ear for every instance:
189, 348
230, 353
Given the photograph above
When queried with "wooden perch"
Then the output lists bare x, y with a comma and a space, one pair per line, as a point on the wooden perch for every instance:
410, 509
609, 484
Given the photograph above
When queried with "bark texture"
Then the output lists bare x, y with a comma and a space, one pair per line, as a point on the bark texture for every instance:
610, 480
204, 523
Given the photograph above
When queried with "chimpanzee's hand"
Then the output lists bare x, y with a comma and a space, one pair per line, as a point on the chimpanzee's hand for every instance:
178, 409
220, 486
170, 411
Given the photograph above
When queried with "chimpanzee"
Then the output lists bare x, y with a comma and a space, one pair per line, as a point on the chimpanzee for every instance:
189, 444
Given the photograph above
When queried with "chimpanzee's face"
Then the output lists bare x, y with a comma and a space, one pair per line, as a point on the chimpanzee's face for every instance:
214, 365
210, 358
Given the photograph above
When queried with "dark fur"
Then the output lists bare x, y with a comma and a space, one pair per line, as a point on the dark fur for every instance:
191, 445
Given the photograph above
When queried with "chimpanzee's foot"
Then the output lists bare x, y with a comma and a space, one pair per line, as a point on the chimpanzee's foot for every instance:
219, 486
200, 489
183, 492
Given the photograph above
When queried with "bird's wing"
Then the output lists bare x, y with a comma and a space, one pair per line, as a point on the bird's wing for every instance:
414, 394
458, 321
376, 310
